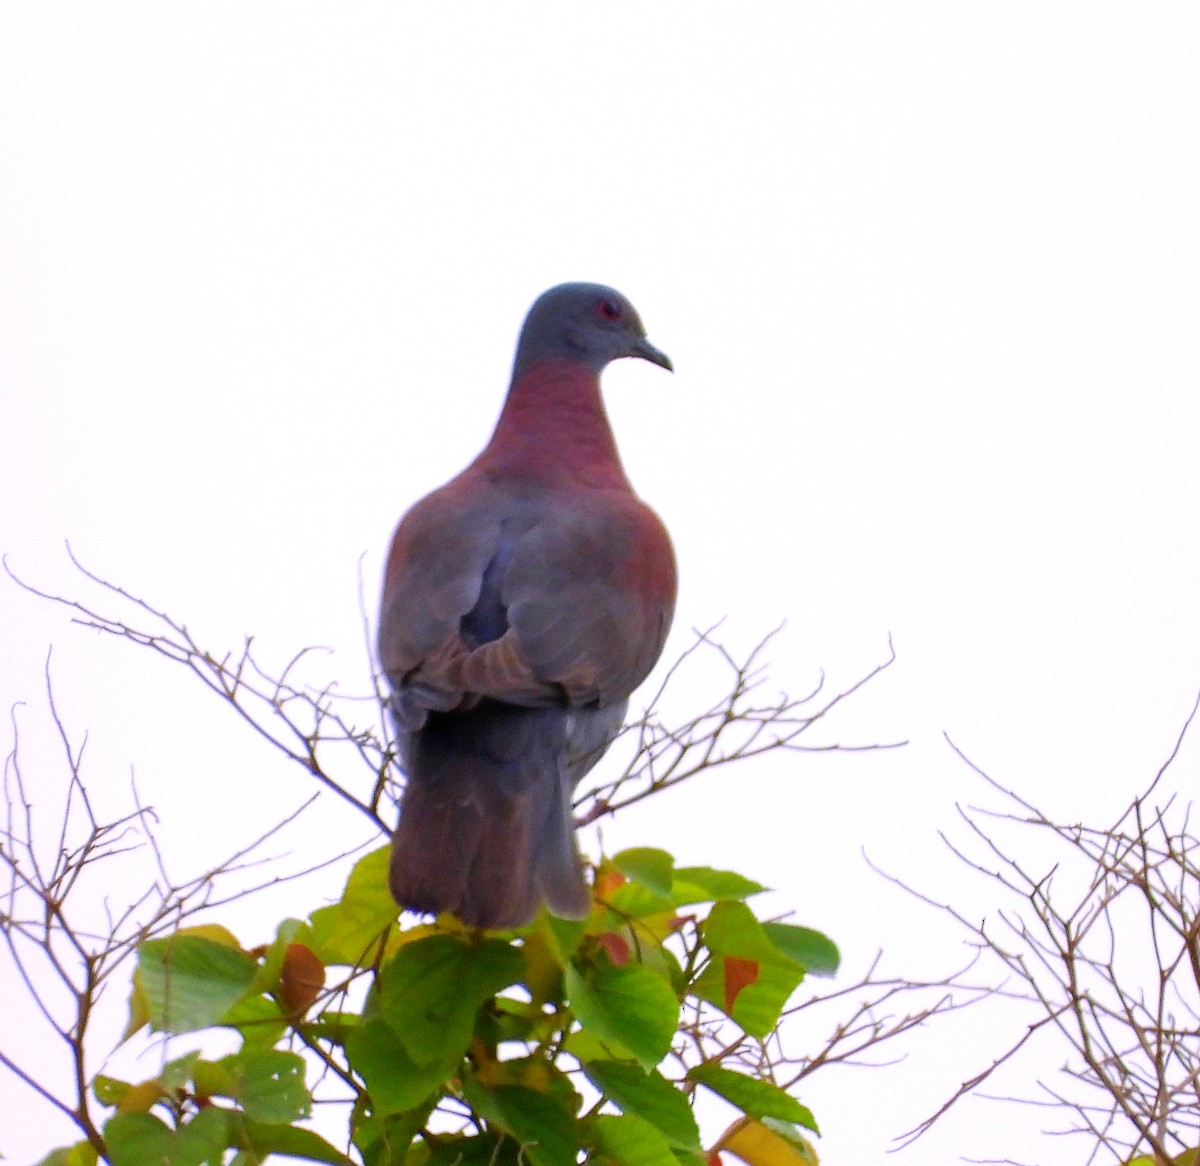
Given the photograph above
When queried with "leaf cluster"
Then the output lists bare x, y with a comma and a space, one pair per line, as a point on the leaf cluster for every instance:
558, 1040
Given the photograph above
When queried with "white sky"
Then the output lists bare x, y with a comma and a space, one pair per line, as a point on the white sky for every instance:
930, 275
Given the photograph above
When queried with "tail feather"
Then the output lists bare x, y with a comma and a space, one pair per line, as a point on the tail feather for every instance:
486, 829
557, 869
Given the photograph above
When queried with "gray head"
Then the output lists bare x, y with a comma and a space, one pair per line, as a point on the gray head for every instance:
585, 322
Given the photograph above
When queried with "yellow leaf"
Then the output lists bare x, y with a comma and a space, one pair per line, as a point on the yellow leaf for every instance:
397, 939
660, 926
213, 931
140, 1098
543, 971
1187, 1158
531, 1072
139, 1007
757, 1145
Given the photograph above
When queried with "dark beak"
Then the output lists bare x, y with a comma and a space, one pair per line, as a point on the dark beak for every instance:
647, 351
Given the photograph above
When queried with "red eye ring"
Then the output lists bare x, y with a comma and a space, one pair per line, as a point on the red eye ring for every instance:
609, 310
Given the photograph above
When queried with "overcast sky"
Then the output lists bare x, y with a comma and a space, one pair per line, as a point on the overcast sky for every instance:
930, 276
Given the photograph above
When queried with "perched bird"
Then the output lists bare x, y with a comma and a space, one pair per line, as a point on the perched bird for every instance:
522, 603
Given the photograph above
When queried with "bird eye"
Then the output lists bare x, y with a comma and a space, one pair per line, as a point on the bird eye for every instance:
609, 310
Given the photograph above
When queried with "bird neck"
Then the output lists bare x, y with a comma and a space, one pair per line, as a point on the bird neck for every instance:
553, 427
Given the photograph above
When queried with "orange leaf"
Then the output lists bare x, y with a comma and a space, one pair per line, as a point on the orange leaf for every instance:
739, 973
608, 879
300, 979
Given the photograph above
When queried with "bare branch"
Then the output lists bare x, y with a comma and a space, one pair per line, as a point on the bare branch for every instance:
1102, 944
737, 726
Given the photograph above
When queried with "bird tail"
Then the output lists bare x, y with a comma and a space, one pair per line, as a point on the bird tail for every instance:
486, 829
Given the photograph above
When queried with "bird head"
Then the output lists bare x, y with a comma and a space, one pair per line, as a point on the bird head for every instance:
585, 322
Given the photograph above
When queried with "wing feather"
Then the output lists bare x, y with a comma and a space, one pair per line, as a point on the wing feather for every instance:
587, 586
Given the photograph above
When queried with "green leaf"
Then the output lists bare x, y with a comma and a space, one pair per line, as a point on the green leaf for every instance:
140, 1139
265, 1138
637, 901
562, 936
387, 1139
689, 884
259, 1019
135, 1139
110, 1090
545, 1131
191, 982
511, 1019
177, 1073
816, 952
703, 884
650, 1096
272, 962
584, 1045
629, 1005
644, 864
629, 1140
395, 1081
490, 1149
269, 1085
80, 1154
344, 932
732, 933
432, 988
213, 1079
752, 1095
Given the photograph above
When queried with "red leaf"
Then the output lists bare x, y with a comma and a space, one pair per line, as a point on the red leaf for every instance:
616, 946
739, 974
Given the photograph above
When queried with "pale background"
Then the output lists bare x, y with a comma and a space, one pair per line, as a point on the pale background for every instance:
930, 274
